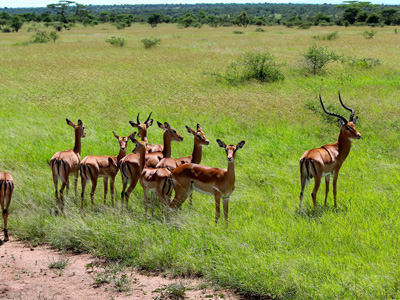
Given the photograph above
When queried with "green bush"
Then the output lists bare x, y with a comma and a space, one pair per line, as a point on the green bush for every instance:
5, 30
259, 30
238, 32
54, 36
316, 58
116, 41
41, 37
150, 42
120, 26
329, 37
254, 66
369, 34
365, 63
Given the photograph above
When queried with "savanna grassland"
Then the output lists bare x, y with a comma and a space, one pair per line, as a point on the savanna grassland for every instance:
268, 248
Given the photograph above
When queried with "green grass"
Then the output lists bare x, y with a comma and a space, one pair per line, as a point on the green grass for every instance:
348, 253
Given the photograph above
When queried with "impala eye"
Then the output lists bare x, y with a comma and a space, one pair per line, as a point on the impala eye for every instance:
348, 128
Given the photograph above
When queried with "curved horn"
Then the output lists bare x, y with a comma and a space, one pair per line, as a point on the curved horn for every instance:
148, 118
348, 108
330, 113
137, 119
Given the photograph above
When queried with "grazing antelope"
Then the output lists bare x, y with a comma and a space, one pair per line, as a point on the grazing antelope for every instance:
206, 180
6, 190
327, 160
65, 163
130, 167
93, 167
153, 180
199, 140
142, 133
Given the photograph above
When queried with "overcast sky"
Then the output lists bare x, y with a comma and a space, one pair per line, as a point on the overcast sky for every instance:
43, 3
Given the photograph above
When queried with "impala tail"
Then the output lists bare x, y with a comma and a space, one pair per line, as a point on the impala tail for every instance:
307, 170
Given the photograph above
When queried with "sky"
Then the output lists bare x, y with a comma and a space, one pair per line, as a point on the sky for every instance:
43, 3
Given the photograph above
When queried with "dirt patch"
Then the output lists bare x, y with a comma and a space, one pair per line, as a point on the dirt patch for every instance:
43, 273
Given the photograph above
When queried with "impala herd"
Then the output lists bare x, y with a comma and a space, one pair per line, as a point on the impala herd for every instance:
160, 174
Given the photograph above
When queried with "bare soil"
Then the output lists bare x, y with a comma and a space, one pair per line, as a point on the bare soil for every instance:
26, 273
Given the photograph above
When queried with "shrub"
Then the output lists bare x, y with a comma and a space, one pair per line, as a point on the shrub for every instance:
238, 32
366, 63
150, 42
305, 25
41, 37
329, 37
259, 30
369, 34
316, 58
116, 41
120, 26
5, 30
53, 36
254, 66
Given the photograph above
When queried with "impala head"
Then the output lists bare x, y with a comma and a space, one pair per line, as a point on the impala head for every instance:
123, 141
199, 136
171, 133
78, 127
230, 149
138, 144
142, 127
347, 128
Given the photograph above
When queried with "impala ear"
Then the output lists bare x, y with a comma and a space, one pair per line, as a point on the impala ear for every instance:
70, 123
340, 122
355, 120
133, 124
190, 130
221, 144
80, 124
166, 125
160, 125
240, 145
116, 135
132, 136
149, 123
199, 127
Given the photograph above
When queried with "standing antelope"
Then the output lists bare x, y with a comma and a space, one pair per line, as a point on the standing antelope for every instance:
130, 167
210, 181
199, 140
153, 180
93, 167
65, 163
327, 160
142, 133
6, 190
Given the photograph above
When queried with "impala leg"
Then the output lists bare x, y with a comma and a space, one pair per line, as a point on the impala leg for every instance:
327, 188
124, 185
94, 185
105, 181
335, 178
83, 183
152, 203
217, 208
112, 190
67, 187
76, 174
145, 200
56, 189
303, 185
226, 209
5, 213
132, 185
61, 204
317, 183
190, 200
182, 191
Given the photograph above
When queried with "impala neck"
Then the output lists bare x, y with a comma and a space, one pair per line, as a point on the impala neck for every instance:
231, 172
142, 158
167, 146
197, 152
77, 146
344, 146
121, 154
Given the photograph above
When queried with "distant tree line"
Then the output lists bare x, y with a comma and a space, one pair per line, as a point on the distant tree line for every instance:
66, 13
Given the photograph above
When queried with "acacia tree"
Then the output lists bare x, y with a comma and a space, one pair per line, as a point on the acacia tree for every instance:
16, 23
243, 19
66, 9
154, 19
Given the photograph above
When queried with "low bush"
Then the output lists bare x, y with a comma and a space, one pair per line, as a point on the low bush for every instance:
329, 37
116, 41
254, 66
150, 42
41, 36
238, 32
365, 63
5, 30
259, 30
369, 34
316, 58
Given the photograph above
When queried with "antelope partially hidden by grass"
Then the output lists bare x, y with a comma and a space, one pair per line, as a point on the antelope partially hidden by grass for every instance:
6, 191
93, 167
327, 160
206, 180
65, 163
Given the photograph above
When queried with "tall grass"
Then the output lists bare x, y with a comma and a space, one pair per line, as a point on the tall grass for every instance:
268, 248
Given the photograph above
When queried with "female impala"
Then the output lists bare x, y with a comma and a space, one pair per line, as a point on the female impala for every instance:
65, 163
93, 167
6, 190
211, 181
130, 167
152, 180
199, 140
327, 160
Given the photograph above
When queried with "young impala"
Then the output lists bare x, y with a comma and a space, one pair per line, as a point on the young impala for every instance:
153, 180
6, 190
93, 167
130, 167
65, 163
199, 140
211, 181
327, 160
